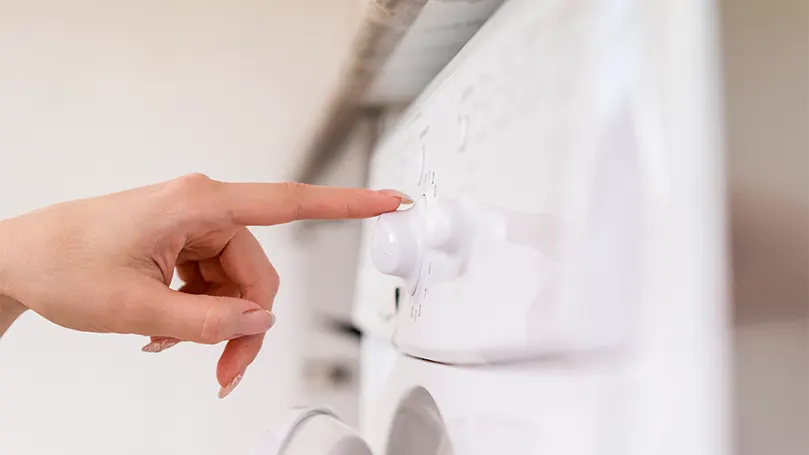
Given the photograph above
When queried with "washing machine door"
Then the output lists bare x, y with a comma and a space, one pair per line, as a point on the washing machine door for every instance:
311, 431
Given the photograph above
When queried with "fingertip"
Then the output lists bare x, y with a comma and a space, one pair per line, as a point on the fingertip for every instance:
225, 390
402, 198
384, 201
254, 322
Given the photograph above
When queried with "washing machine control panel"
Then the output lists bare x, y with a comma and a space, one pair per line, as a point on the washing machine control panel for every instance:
525, 235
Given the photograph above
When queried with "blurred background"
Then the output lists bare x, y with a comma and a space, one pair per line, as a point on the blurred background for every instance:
98, 96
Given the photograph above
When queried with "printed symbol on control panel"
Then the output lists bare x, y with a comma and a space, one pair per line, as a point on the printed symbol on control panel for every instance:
415, 311
415, 304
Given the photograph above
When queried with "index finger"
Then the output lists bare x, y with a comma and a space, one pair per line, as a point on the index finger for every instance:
265, 204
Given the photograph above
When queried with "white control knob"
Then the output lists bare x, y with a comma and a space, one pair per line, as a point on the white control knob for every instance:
438, 227
396, 243
440, 235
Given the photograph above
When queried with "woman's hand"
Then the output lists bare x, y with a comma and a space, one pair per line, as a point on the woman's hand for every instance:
10, 310
105, 264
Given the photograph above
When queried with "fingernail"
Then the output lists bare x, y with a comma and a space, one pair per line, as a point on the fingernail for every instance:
254, 322
160, 345
402, 197
225, 391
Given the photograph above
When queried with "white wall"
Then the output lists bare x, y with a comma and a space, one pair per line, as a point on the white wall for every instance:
98, 96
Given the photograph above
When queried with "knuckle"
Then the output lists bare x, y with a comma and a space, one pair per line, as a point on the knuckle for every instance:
352, 208
211, 330
295, 192
294, 188
195, 179
190, 195
274, 282
189, 185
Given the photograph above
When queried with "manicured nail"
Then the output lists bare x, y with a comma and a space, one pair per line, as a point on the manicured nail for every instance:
402, 197
160, 345
254, 322
225, 391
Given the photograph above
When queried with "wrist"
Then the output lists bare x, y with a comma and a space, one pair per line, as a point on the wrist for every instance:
10, 309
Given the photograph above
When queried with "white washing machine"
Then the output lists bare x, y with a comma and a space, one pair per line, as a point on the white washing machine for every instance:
558, 286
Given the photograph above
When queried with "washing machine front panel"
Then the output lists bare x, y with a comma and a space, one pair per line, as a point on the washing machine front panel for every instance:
427, 408
518, 409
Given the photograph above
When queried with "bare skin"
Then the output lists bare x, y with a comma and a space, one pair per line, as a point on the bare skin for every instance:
105, 264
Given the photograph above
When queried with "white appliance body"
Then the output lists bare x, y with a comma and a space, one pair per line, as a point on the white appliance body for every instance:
558, 286
524, 153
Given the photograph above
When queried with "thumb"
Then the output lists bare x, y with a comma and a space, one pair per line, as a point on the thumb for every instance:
200, 318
